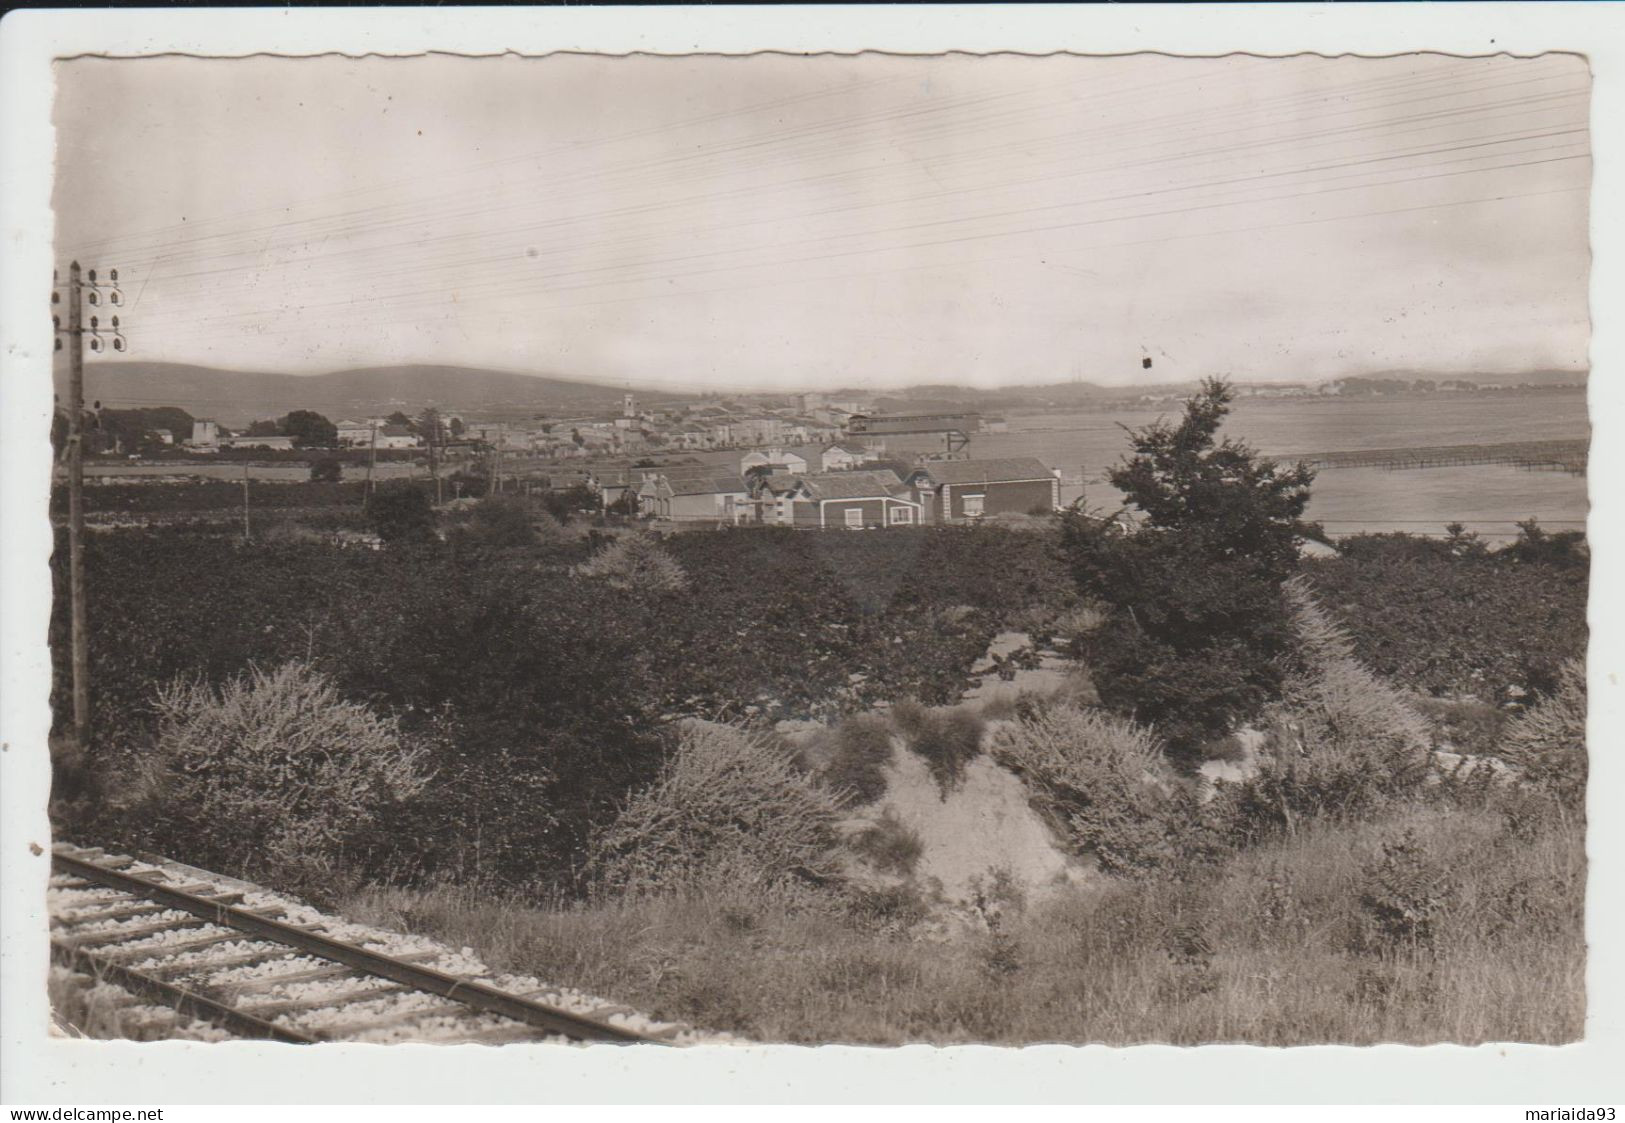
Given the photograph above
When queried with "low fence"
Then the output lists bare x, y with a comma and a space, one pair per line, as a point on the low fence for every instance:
1537, 456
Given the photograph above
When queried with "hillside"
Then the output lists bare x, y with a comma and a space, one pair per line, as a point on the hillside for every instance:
240, 396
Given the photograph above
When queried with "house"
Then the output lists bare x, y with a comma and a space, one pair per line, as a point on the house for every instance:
354, 434
854, 500
614, 485
957, 491
265, 441
395, 436
705, 495
781, 460
935, 433
205, 435
844, 455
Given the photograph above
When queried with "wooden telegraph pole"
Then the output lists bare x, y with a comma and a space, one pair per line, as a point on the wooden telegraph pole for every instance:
79, 294
372, 458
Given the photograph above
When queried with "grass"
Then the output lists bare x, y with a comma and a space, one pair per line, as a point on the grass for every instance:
1272, 947
82, 1007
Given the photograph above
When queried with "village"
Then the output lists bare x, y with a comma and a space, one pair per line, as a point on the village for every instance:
814, 463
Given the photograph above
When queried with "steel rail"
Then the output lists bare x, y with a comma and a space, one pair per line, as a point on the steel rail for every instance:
465, 991
186, 1001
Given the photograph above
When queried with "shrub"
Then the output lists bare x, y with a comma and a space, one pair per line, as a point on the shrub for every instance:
947, 739
635, 562
726, 799
889, 846
327, 470
503, 520
857, 767
1476, 624
401, 515
572, 501
274, 767
1549, 741
1403, 897
1340, 741
1104, 781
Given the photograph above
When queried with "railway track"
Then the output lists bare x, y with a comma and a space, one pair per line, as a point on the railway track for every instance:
259, 965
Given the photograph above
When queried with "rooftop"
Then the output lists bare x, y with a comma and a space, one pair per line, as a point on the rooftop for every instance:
1008, 470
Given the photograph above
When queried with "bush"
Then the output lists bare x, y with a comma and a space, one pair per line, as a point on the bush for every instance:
565, 505
1103, 780
947, 739
1403, 897
856, 770
275, 769
1482, 624
327, 471
726, 799
1339, 742
1549, 741
889, 846
635, 562
401, 515
503, 520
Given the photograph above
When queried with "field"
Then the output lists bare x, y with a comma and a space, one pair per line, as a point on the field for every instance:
1282, 928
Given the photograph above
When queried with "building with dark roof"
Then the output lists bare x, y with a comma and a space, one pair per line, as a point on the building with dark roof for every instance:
958, 491
824, 500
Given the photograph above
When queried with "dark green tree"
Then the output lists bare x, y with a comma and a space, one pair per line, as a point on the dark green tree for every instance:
310, 429
327, 470
1198, 632
401, 515
265, 429
499, 520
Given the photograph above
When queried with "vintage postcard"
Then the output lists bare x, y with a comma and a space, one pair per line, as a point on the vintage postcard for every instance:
700, 550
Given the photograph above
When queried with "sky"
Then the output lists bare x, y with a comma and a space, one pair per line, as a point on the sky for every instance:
780, 222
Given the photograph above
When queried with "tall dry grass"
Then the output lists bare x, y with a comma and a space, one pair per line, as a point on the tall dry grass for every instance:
1268, 947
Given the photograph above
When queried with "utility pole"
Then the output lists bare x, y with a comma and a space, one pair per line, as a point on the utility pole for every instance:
372, 458
431, 421
78, 296
246, 533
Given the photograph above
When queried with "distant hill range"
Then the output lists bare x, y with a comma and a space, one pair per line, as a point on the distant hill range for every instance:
240, 396
236, 397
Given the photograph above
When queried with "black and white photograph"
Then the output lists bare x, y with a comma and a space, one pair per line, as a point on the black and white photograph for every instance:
823, 549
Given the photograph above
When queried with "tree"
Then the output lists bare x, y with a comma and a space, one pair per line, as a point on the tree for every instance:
457, 427
1199, 634
500, 520
310, 429
326, 471
399, 418
264, 428
402, 515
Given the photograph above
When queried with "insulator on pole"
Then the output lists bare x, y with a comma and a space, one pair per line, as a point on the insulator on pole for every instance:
112, 275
